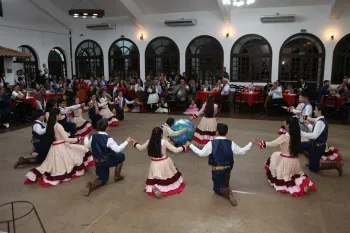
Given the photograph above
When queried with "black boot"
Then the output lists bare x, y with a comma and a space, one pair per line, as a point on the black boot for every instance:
329, 165
227, 193
23, 161
117, 171
92, 186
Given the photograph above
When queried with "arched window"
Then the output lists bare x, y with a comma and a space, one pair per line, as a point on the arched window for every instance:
162, 56
88, 60
302, 56
124, 59
204, 58
57, 62
341, 60
30, 64
251, 59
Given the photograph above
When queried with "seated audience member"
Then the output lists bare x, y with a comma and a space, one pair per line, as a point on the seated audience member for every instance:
217, 86
171, 94
139, 85
18, 97
158, 87
153, 95
275, 95
192, 90
38, 94
324, 90
344, 107
91, 91
290, 89
267, 87
5, 108
342, 86
181, 90
302, 86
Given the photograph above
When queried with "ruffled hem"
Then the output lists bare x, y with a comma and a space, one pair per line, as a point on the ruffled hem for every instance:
332, 155
297, 186
175, 188
84, 129
47, 179
112, 121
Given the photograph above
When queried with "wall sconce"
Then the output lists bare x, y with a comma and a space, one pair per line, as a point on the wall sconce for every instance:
141, 37
332, 35
227, 34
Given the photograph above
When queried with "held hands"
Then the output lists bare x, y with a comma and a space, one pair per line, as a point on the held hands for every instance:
191, 118
129, 139
188, 143
254, 141
306, 123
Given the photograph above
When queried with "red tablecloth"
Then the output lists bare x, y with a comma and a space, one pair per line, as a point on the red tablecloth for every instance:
291, 99
250, 98
340, 100
49, 96
30, 100
203, 95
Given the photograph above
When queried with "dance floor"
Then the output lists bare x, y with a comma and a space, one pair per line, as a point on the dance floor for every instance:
125, 208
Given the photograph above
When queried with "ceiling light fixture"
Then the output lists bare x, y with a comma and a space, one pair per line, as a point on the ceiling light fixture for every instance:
237, 3
87, 13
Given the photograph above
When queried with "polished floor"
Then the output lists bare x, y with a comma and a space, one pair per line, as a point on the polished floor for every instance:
125, 208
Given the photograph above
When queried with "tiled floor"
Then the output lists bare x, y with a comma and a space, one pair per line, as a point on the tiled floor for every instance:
124, 207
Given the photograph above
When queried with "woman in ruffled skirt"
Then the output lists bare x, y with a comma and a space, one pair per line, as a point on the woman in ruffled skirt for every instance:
206, 130
283, 168
164, 179
83, 126
65, 160
105, 111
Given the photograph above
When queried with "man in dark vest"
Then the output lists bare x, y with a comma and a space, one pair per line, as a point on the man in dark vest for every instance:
107, 153
41, 143
220, 152
317, 144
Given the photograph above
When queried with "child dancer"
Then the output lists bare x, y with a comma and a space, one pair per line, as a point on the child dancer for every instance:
283, 167
162, 106
40, 142
163, 177
206, 130
153, 97
192, 109
105, 112
121, 103
168, 132
138, 107
94, 112
106, 153
83, 126
221, 152
65, 160
64, 121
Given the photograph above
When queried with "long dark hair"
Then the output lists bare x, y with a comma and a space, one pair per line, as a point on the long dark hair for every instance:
209, 107
295, 138
50, 131
155, 143
50, 105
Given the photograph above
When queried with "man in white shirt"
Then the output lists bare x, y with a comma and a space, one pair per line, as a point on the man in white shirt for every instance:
221, 152
317, 144
106, 153
304, 113
275, 97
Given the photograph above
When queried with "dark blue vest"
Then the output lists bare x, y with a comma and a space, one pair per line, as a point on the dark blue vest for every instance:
99, 147
323, 138
221, 154
35, 135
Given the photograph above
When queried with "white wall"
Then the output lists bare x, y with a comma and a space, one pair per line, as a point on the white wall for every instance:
314, 19
24, 24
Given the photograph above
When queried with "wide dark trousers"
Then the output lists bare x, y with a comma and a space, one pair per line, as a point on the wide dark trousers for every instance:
221, 179
68, 126
42, 147
102, 168
315, 154
120, 112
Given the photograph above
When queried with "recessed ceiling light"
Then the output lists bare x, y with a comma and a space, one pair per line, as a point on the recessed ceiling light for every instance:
75, 16
95, 14
84, 17
85, 13
94, 17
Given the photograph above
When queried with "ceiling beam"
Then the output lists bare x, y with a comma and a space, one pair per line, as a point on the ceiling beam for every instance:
137, 14
335, 9
225, 11
53, 12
